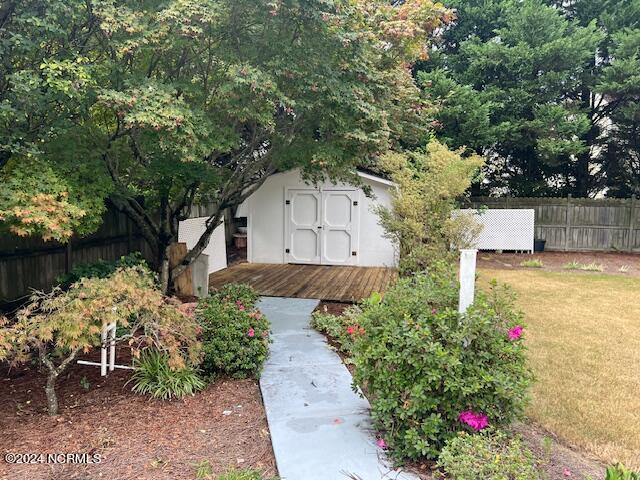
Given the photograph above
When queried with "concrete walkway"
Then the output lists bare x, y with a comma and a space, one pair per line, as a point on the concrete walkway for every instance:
320, 428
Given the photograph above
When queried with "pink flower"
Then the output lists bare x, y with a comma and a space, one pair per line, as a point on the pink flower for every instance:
381, 443
567, 473
351, 330
241, 308
251, 332
433, 311
515, 333
477, 421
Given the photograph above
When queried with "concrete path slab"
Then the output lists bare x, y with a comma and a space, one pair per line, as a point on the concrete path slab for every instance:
320, 428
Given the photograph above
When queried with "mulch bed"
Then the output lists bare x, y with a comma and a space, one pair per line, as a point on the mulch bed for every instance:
333, 308
137, 438
554, 261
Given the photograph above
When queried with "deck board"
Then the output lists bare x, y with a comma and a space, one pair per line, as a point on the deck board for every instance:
331, 283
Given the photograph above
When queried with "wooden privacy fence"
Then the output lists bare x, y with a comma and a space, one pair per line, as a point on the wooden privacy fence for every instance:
27, 263
578, 223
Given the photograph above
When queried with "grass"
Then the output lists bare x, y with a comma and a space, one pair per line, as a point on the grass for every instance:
572, 265
592, 267
586, 267
583, 334
533, 263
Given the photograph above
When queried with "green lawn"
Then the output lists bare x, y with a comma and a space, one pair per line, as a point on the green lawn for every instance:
583, 334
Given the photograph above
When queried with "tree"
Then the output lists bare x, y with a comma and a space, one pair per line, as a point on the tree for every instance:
200, 101
527, 84
506, 76
53, 328
608, 91
421, 220
46, 88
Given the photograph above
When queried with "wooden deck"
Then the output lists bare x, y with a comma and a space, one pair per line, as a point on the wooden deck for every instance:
332, 283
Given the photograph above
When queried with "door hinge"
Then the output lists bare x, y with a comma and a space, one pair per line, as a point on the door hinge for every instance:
286, 250
287, 202
354, 253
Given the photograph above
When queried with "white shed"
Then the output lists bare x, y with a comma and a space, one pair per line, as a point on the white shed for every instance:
289, 221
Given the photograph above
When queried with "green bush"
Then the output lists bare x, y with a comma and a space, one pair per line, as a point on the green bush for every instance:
154, 377
619, 472
237, 292
235, 335
100, 269
343, 329
490, 455
426, 369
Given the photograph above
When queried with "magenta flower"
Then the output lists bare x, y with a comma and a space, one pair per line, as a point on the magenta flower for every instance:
477, 421
381, 443
241, 308
251, 332
515, 333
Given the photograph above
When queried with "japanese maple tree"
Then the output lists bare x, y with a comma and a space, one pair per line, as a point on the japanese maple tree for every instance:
199, 101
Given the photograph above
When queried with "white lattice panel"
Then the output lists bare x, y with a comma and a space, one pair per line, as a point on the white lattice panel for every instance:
504, 228
189, 231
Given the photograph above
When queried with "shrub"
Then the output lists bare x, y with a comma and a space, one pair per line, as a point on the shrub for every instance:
55, 327
154, 377
619, 472
238, 292
235, 335
100, 269
430, 372
421, 219
491, 455
343, 329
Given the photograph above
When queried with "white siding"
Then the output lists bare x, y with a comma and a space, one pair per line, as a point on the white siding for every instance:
265, 211
189, 232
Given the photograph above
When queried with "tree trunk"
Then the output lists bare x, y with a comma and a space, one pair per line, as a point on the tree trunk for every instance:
50, 390
164, 270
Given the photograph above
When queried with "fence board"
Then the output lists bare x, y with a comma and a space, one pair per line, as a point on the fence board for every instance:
30, 263
608, 224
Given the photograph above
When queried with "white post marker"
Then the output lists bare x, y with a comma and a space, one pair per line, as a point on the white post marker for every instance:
467, 278
107, 351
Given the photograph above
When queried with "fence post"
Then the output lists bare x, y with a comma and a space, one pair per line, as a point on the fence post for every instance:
467, 278
567, 228
632, 223
67, 257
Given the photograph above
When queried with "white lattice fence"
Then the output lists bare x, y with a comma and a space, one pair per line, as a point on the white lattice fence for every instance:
504, 229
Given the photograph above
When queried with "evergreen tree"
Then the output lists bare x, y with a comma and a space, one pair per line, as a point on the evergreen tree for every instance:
545, 90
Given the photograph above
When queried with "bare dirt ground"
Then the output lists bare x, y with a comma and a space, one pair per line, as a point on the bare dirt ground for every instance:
137, 438
616, 263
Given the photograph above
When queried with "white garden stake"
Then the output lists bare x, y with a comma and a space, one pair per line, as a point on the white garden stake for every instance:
107, 351
467, 278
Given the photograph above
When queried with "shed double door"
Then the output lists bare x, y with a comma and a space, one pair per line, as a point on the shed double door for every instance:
321, 226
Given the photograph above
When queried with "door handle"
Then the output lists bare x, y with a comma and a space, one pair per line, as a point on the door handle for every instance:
319, 226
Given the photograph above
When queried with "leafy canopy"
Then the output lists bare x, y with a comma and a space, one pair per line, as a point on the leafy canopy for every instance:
544, 90
160, 104
420, 220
